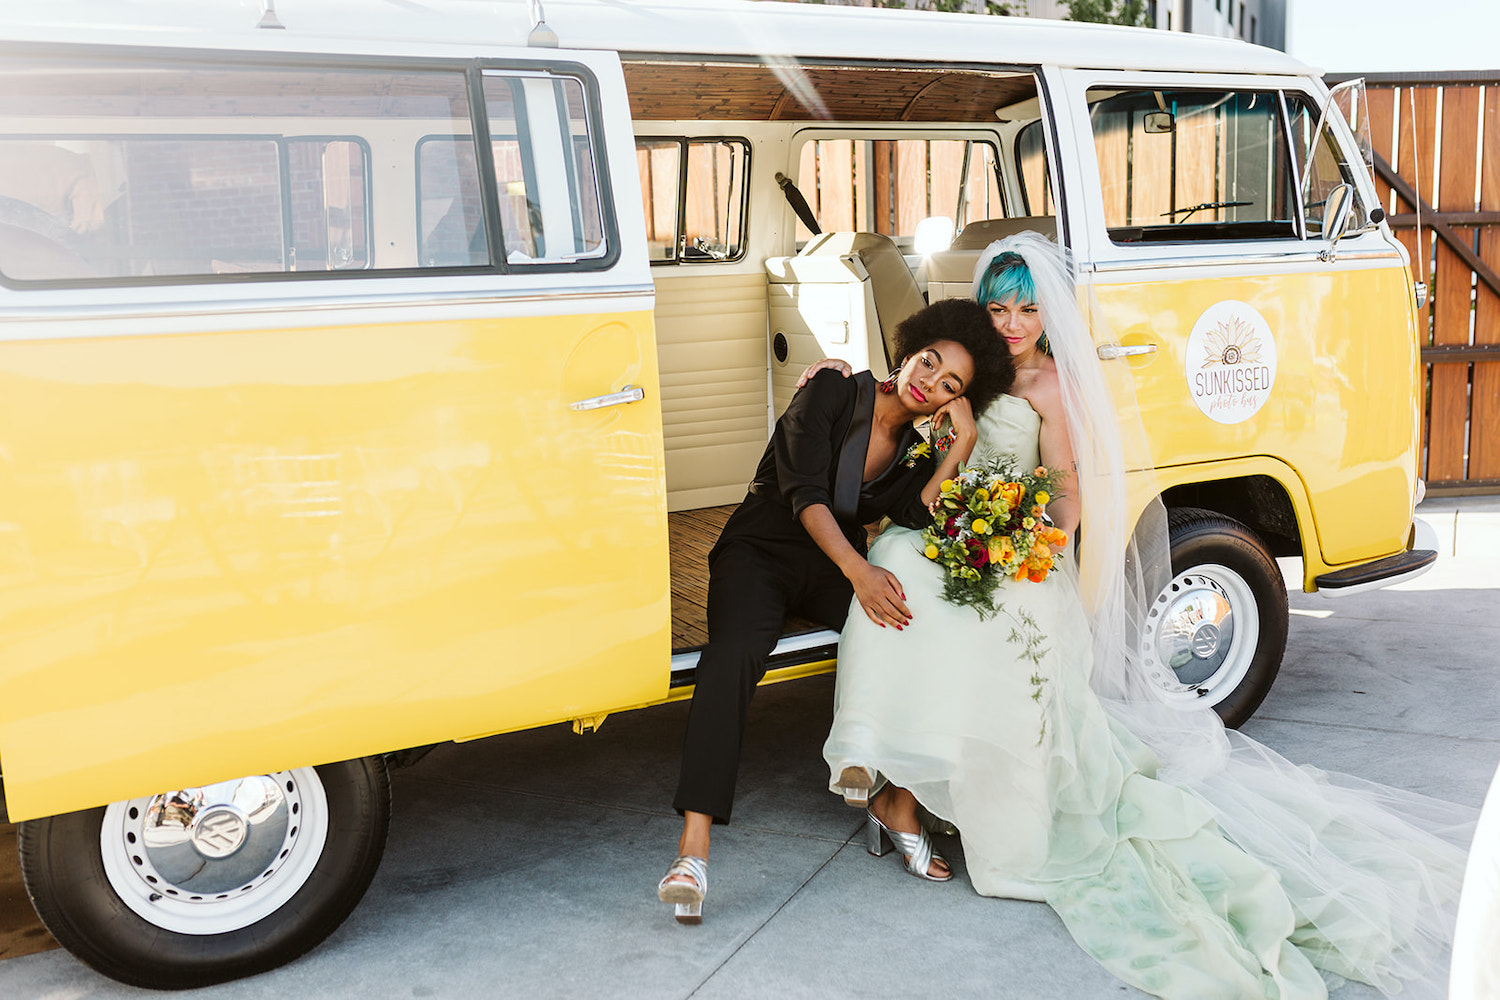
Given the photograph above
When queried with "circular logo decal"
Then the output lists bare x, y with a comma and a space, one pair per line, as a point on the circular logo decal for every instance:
1231, 362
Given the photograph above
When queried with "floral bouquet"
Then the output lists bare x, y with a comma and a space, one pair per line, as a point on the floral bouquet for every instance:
990, 521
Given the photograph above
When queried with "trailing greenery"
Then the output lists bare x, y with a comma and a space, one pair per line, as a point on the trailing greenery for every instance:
1132, 12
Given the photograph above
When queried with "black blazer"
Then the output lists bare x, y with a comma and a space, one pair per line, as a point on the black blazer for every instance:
817, 456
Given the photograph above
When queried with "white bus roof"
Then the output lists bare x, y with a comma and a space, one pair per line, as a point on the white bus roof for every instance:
737, 28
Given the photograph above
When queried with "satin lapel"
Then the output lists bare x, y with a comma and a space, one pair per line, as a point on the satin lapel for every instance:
850, 474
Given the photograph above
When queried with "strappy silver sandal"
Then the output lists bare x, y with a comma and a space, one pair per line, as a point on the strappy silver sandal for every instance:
687, 896
916, 848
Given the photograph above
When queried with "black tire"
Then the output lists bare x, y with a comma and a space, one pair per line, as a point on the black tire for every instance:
80, 901
1228, 601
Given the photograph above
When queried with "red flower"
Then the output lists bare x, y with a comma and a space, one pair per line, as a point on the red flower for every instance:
951, 527
978, 553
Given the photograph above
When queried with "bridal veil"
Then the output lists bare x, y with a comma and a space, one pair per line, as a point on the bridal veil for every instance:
1373, 872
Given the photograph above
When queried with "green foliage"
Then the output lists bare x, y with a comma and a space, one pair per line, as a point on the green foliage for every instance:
1132, 12
1011, 8
943, 6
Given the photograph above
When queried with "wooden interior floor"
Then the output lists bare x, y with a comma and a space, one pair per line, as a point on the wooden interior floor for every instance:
691, 534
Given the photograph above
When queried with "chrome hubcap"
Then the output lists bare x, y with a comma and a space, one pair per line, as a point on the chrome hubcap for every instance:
215, 858
1201, 633
218, 838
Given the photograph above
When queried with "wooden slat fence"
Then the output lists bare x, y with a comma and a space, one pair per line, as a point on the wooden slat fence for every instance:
1436, 139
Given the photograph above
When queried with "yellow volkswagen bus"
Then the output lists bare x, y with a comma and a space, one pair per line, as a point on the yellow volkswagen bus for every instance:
372, 382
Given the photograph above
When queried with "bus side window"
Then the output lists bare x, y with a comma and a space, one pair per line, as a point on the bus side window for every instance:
889, 185
705, 220
119, 172
327, 180
545, 172
450, 208
1326, 169
1036, 184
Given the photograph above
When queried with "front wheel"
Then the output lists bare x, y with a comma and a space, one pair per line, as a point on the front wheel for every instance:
1219, 626
200, 885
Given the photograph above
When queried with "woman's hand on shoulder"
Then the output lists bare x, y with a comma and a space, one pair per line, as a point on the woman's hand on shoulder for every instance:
837, 364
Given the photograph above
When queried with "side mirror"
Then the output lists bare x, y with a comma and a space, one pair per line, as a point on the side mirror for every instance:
1337, 210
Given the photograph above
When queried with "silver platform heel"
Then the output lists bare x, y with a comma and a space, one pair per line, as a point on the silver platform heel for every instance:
856, 784
688, 897
917, 848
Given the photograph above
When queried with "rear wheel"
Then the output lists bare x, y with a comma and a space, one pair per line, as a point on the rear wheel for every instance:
200, 885
1219, 626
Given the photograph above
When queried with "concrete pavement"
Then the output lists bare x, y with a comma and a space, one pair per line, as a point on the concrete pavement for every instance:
526, 864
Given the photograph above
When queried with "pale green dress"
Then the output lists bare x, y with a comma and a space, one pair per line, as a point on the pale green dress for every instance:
993, 725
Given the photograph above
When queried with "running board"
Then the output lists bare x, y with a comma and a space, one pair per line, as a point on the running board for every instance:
805, 647
1377, 574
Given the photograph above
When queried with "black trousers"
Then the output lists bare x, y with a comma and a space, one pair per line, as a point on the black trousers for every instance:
754, 581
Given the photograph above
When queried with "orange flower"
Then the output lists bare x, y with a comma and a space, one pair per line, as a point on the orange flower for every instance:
1002, 550
1041, 470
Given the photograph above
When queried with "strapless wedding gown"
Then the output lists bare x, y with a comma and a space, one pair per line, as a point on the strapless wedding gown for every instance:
993, 726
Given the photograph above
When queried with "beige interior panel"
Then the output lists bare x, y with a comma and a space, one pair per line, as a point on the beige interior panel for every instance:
711, 348
825, 307
950, 274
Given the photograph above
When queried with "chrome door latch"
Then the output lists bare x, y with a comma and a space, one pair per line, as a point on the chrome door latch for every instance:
1108, 352
629, 394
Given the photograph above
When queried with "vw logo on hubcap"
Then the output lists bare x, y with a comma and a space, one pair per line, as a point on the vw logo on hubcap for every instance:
219, 832
1206, 640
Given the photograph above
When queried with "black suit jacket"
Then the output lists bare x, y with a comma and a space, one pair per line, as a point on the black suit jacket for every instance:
817, 456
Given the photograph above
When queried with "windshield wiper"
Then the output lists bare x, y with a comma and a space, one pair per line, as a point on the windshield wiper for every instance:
1185, 212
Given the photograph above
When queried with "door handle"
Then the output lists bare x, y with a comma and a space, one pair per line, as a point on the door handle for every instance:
629, 394
1108, 352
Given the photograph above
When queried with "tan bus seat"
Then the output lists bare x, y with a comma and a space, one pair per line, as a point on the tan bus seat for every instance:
896, 293
950, 273
841, 297
978, 235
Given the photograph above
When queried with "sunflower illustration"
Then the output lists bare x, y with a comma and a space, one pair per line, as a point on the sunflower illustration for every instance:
1232, 342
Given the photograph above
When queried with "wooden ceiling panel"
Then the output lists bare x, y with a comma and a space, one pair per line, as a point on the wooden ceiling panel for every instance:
695, 91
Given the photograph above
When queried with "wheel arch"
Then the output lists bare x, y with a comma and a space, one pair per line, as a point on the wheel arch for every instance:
1259, 502
1262, 493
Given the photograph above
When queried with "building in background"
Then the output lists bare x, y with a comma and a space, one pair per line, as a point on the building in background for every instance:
1260, 21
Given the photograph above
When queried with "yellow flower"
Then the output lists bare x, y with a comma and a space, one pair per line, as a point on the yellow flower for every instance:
1042, 497
1001, 549
1028, 523
981, 494
981, 526
931, 552
947, 485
